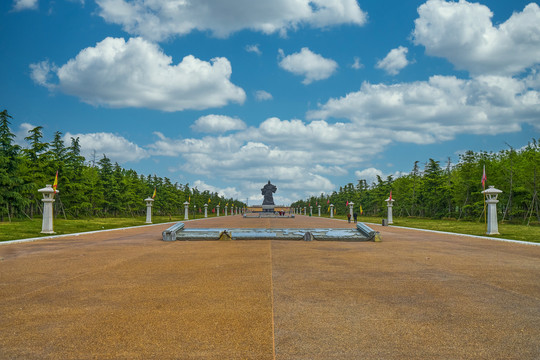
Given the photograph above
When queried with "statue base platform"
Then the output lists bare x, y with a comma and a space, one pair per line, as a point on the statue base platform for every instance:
268, 208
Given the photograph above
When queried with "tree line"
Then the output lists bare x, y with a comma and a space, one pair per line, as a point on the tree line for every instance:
85, 189
450, 190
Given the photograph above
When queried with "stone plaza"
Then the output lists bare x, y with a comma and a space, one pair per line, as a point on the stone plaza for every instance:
126, 294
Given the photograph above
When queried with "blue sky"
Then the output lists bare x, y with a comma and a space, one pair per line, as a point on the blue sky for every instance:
311, 95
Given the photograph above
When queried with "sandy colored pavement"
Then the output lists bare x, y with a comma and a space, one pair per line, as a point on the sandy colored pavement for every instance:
128, 295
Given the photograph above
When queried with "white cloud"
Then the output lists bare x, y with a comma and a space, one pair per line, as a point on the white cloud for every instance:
357, 64
19, 5
137, 73
262, 95
217, 124
329, 170
426, 112
228, 192
254, 49
161, 19
463, 33
41, 73
299, 156
22, 132
115, 147
395, 61
308, 64
369, 174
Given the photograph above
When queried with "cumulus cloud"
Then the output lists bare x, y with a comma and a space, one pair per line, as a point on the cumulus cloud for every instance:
300, 156
115, 147
21, 133
369, 174
463, 33
254, 49
306, 63
261, 95
229, 192
137, 73
217, 124
357, 64
436, 110
161, 19
394, 61
19, 5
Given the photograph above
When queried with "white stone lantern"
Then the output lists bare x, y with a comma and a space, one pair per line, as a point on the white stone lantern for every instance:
48, 200
217, 210
351, 211
331, 210
390, 204
491, 201
186, 210
310, 210
205, 210
149, 202
226, 212
319, 208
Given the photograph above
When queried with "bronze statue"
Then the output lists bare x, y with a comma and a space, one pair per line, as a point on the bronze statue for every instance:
267, 191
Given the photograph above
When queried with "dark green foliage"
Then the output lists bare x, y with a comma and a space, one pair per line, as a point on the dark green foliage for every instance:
85, 189
454, 191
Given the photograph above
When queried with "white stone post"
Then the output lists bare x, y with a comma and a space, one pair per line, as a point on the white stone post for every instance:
491, 201
217, 209
305, 211
331, 210
351, 205
389, 204
48, 200
319, 206
186, 211
205, 210
149, 202
226, 210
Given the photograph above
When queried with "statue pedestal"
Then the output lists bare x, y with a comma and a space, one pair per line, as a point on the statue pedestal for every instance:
268, 208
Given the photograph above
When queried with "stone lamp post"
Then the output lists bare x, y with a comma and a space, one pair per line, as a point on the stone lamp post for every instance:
491, 201
226, 212
205, 210
351, 211
389, 204
310, 210
217, 210
331, 210
186, 211
48, 200
319, 208
149, 202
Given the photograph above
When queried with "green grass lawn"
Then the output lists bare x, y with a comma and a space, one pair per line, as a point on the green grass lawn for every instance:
24, 229
508, 231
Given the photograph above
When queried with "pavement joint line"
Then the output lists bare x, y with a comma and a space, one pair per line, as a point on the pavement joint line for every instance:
272, 297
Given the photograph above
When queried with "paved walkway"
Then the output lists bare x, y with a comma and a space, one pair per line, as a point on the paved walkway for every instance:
128, 295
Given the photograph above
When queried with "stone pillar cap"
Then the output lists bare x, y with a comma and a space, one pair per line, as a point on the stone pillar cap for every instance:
48, 189
492, 191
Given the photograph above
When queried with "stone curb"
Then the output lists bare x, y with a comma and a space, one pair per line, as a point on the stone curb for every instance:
88, 232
